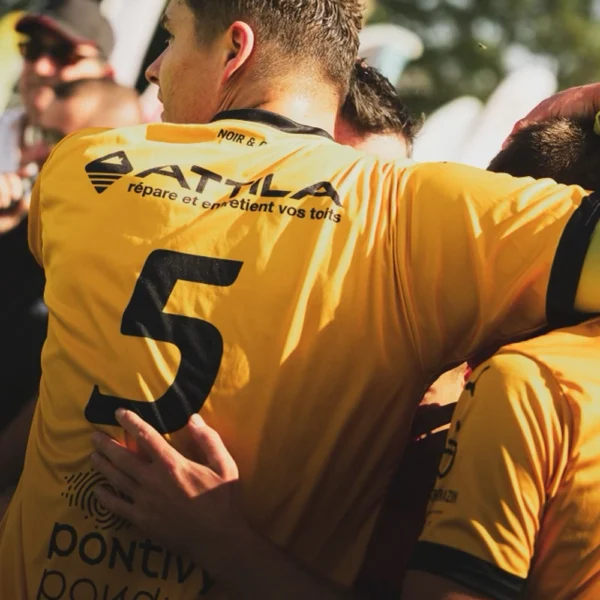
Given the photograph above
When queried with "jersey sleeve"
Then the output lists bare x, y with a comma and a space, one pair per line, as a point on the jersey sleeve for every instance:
35, 211
504, 455
485, 259
34, 224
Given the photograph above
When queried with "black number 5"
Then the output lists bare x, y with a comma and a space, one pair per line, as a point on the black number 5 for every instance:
199, 342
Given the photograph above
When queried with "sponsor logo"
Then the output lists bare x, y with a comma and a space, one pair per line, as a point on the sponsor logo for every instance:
80, 494
122, 569
449, 454
104, 171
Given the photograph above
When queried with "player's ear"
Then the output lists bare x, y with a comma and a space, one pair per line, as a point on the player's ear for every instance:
241, 42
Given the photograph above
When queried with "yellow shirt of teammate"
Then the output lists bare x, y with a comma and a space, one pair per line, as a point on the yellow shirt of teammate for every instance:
515, 509
301, 294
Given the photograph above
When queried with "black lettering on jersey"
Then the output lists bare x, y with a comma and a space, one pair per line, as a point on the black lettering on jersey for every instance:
443, 495
231, 136
237, 186
205, 177
449, 454
254, 187
208, 583
470, 385
172, 171
319, 190
199, 342
267, 192
105, 171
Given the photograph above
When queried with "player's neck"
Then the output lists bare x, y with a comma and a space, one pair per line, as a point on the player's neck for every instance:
313, 114
312, 109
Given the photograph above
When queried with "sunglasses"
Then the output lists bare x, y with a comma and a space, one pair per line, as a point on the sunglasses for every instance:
62, 53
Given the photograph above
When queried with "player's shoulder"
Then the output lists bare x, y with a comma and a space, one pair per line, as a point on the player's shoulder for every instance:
450, 178
450, 171
101, 135
78, 147
511, 388
508, 369
557, 368
578, 344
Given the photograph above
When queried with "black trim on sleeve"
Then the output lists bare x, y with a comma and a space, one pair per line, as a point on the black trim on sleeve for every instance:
467, 570
568, 264
266, 117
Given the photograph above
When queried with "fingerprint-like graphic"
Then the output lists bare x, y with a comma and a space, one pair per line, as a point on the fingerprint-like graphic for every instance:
80, 493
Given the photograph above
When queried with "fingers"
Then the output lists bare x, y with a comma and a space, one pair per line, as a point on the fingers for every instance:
127, 462
573, 102
11, 190
115, 503
115, 476
518, 126
145, 436
213, 448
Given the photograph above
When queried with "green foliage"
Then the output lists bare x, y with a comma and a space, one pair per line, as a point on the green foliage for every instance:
466, 43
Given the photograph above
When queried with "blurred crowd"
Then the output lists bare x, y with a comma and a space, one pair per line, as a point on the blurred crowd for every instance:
65, 84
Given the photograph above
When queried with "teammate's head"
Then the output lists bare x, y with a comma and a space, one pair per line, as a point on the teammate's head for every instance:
72, 42
244, 53
89, 103
373, 118
566, 150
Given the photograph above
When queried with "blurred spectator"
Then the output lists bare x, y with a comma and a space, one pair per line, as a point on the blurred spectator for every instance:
76, 105
89, 103
72, 42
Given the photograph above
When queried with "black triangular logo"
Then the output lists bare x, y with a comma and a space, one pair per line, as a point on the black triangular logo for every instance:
117, 162
103, 172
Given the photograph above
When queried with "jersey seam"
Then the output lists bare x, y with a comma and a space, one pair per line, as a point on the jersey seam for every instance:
402, 282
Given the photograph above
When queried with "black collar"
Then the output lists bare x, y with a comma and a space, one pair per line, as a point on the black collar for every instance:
258, 115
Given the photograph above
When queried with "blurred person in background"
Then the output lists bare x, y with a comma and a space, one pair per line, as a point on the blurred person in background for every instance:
72, 42
76, 105
89, 103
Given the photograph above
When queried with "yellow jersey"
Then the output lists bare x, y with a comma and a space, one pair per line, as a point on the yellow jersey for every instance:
514, 512
302, 295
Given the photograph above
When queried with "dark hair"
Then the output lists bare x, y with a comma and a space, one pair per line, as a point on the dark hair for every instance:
323, 31
374, 107
564, 149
